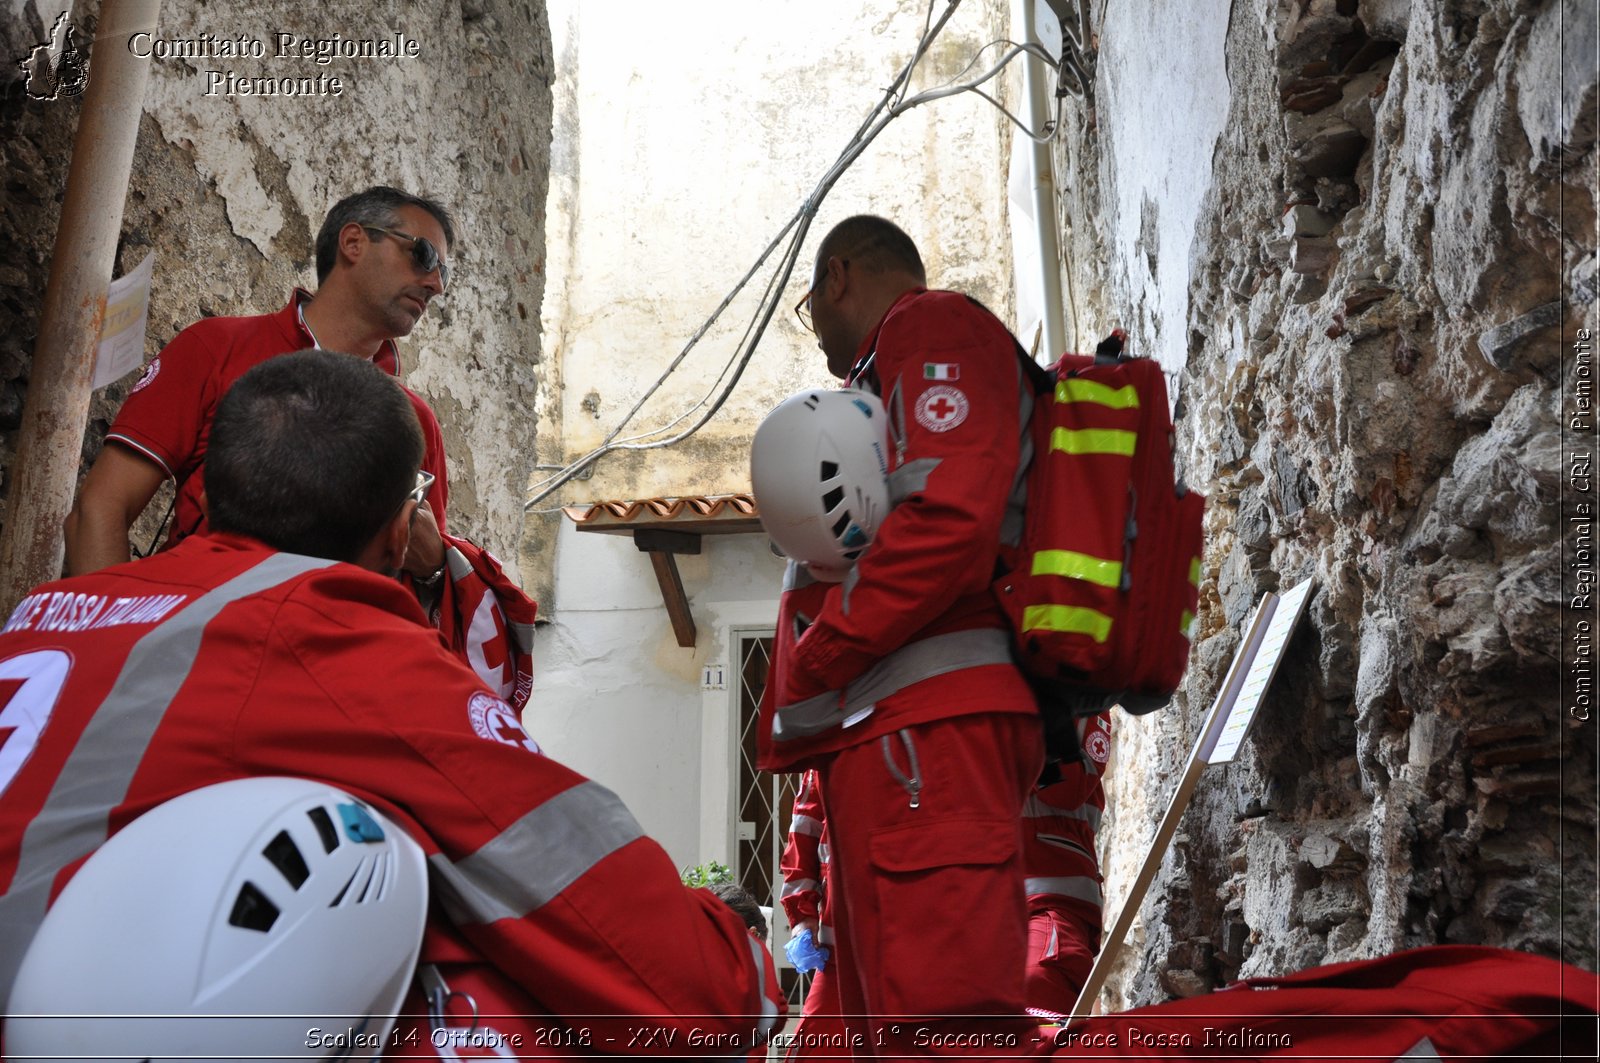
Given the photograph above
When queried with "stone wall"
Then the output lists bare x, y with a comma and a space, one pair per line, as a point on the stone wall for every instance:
229, 191
1370, 396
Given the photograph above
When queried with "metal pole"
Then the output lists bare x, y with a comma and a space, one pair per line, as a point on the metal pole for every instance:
57, 407
1043, 190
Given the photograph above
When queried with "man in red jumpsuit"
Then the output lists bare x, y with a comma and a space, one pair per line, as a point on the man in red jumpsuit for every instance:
898, 684
820, 1033
279, 645
1060, 822
380, 258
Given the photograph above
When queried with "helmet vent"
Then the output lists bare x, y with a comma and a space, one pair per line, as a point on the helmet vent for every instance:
252, 910
325, 829
360, 884
339, 897
377, 885
833, 498
840, 525
830, 469
282, 853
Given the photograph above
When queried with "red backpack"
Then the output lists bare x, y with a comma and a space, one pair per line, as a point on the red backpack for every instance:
1101, 588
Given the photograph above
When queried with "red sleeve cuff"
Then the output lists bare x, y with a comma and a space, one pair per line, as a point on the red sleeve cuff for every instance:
144, 449
800, 906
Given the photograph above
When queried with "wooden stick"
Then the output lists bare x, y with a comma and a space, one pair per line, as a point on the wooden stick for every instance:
1231, 685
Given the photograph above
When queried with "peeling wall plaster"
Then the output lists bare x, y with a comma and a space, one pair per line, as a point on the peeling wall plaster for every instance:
229, 190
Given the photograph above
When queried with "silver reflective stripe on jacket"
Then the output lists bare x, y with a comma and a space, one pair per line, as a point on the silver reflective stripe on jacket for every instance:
769, 1010
460, 568
1078, 887
528, 864
806, 825
523, 634
795, 576
456, 561
1034, 808
910, 664
910, 478
800, 885
74, 820
851, 578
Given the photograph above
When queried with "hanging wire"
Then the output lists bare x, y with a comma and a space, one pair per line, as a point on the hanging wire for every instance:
890, 106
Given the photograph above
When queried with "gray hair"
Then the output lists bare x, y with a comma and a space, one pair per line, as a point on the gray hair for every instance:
377, 206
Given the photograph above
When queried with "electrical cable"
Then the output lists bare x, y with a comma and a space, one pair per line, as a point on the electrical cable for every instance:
889, 107
799, 225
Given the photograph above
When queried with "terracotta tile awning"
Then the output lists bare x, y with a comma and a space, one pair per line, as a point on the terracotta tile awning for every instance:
693, 514
665, 527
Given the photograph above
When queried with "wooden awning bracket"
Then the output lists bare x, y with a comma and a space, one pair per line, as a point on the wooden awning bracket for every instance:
662, 546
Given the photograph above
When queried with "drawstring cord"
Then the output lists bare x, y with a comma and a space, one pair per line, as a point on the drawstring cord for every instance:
439, 994
913, 785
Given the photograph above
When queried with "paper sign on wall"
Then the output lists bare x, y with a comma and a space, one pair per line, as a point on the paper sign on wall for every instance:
1242, 712
121, 349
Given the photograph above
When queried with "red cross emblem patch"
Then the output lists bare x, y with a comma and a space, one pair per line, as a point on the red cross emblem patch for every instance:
1098, 746
941, 408
495, 720
148, 375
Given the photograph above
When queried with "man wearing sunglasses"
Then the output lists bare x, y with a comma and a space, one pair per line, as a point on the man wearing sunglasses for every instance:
274, 646
380, 259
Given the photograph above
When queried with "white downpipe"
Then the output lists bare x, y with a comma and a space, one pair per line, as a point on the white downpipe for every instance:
1036, 100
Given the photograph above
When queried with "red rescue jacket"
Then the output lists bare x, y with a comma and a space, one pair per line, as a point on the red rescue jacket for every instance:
913, 634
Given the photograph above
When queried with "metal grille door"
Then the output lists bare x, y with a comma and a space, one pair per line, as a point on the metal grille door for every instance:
766, 803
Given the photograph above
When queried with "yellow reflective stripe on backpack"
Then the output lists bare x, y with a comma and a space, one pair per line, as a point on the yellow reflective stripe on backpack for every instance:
1076, 389
1194, 571
1094, 441
1068, 619
1186, 625
1069, 564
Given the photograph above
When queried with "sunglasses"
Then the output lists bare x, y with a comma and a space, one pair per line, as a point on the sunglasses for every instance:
423, 253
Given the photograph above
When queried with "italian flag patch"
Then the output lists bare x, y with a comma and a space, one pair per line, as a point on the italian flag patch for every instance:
941, 371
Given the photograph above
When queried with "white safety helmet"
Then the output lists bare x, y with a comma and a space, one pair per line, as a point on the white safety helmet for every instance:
820, 477
270, 918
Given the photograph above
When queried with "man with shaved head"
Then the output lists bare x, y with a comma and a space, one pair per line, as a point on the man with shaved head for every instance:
898, 684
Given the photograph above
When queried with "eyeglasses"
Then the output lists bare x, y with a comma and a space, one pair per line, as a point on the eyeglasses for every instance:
418, 493
424, 481
423, 253
802, 310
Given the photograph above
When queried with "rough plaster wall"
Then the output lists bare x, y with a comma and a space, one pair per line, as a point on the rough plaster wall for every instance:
229, 192
668, 180
1371, 394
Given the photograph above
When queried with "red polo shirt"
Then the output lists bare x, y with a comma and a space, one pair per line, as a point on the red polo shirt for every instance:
167, 417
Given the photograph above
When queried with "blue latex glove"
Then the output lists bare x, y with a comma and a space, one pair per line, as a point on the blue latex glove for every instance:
804, 952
